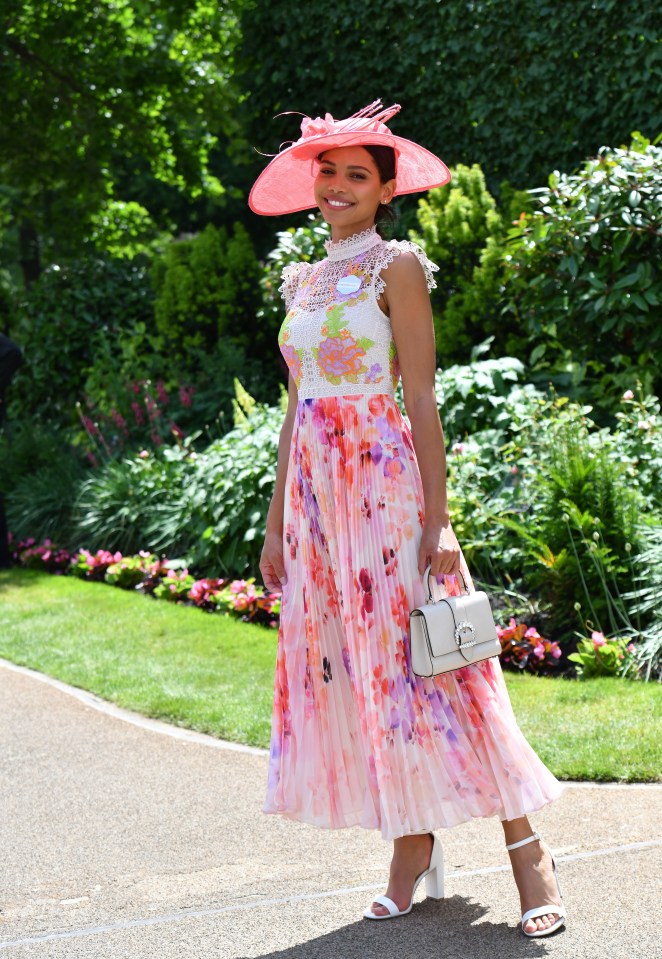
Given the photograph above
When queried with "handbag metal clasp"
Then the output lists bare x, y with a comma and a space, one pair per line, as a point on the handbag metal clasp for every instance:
462, 628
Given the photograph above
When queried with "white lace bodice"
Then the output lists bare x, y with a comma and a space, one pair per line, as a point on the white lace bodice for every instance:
335, 339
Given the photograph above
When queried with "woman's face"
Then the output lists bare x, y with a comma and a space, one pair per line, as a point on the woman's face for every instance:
348, 190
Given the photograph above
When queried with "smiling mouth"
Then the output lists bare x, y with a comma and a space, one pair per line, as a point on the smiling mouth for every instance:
338, 204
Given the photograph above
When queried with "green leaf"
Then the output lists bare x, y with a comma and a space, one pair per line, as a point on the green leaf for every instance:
630, 280
537, 353
640, 302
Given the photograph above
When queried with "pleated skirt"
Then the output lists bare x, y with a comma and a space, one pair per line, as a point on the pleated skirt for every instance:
357, 738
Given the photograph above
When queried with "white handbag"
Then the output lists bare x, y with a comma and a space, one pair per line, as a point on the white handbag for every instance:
454, 631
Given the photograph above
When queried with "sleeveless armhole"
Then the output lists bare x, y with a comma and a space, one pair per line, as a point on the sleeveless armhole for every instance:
389, 253
291, 276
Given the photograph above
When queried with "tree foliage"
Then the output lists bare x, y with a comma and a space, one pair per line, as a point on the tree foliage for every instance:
91, 87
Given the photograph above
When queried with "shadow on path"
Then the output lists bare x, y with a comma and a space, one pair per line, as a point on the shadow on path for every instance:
433, 929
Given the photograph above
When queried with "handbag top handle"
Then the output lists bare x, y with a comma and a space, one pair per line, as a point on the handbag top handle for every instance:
426, 579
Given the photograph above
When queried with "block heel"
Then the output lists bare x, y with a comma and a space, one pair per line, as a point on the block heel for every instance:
434, 885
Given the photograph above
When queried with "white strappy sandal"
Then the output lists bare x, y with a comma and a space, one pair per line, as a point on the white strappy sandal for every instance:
434, 885
557, 909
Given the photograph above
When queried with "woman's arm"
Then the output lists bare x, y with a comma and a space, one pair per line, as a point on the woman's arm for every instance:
408, 305
272, 566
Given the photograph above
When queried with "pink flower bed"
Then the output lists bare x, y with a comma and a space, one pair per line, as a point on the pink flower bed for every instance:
153, 576
523, 648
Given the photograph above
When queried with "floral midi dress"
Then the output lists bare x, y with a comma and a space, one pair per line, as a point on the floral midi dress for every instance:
357, 738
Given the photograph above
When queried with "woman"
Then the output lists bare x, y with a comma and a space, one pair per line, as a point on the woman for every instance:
358, 511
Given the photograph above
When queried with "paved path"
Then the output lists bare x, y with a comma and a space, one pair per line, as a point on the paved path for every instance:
119, 841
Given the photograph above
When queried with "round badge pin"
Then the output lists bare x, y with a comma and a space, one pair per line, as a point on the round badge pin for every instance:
349, 284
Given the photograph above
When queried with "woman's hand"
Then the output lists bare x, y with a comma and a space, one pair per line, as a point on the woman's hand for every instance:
439, 548
272, 565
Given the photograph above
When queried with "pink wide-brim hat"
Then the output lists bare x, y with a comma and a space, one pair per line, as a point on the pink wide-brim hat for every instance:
286, 184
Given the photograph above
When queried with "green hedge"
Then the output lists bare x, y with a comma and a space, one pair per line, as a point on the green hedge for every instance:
519, 88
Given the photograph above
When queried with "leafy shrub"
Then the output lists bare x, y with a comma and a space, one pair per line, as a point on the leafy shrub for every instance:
598, 656
304, 244
581, 514
129, 504
644, 602
584, 277
40, 505
59, 323
462, 231
208, 506
207, 289
544, 503
470, 396
638, 438
230, 488
121, 414
140, 416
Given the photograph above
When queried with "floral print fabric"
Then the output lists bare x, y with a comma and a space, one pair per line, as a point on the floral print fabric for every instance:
357, 738
335, 338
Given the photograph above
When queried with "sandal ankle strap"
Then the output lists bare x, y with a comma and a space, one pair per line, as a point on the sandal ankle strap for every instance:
523, 842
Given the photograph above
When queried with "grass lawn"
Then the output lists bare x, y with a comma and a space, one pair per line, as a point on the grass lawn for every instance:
215, 674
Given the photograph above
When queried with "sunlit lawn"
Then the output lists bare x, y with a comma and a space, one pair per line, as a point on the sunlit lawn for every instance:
215, 674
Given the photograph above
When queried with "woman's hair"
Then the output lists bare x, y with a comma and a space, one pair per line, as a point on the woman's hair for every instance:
384, 158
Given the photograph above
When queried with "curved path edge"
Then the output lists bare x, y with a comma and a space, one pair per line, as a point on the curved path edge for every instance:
129, 716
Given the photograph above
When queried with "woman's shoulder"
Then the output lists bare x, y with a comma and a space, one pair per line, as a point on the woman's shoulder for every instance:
405, 259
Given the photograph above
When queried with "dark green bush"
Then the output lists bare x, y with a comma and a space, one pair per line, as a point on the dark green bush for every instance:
520, 88
463, 231
40, 504
584, 274
27, 447
207, 290
59, 325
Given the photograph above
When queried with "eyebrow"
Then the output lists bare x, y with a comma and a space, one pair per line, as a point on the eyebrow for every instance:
352, 166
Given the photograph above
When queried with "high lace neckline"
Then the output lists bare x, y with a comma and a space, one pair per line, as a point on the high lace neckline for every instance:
352, 245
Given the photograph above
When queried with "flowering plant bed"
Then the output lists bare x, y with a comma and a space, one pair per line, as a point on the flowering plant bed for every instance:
154, 576
522, 647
